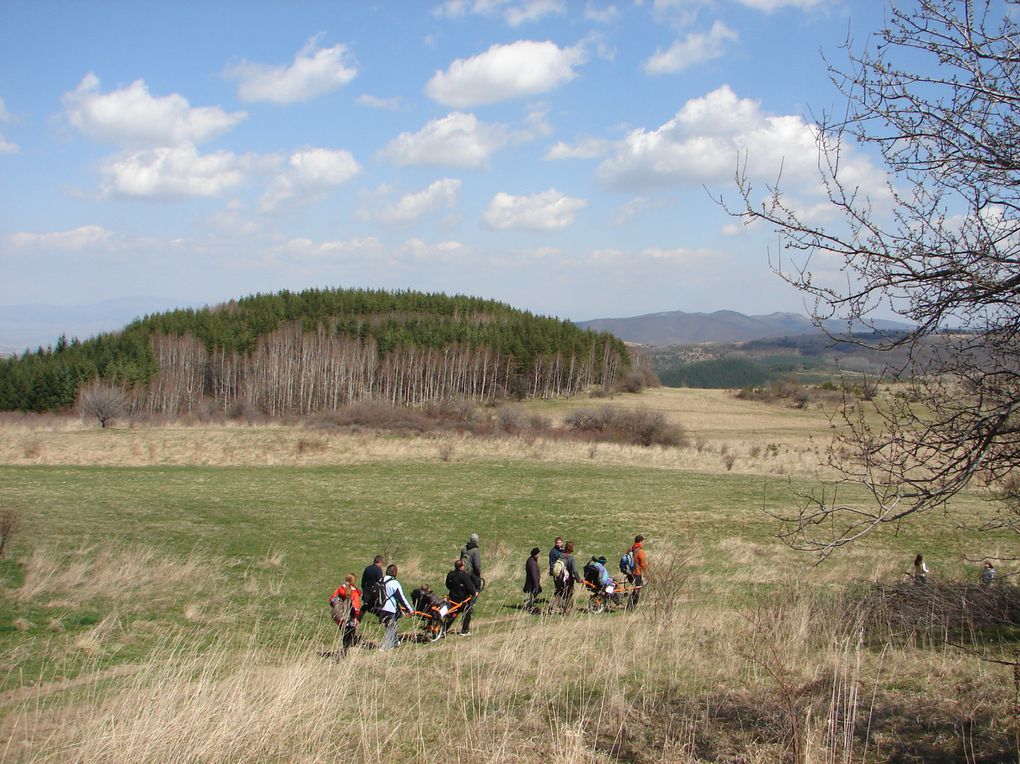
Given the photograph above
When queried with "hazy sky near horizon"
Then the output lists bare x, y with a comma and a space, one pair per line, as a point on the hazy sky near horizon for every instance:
559, 156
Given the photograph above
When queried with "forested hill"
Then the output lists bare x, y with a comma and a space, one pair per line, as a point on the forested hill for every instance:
318, 350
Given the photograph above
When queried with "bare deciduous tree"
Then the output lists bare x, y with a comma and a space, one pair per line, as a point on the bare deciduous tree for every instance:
100, 400
937, 94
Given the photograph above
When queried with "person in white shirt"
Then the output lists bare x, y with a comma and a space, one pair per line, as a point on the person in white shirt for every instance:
394, 605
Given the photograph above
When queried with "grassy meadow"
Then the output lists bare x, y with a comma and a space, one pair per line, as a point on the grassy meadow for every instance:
164, 599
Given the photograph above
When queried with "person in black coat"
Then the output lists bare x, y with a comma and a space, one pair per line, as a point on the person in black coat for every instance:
373, 574
461, 587
532, 579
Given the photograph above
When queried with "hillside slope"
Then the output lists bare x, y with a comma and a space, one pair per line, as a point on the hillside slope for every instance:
318, 350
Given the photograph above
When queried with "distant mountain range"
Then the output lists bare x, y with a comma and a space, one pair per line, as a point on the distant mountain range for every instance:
677, 327
39, 325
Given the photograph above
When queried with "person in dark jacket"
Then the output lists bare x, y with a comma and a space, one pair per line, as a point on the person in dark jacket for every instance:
565, 585
372, 575
532, 580
462, 588
472, 557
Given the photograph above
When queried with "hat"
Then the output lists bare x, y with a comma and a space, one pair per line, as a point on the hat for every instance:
474, 537
602, 560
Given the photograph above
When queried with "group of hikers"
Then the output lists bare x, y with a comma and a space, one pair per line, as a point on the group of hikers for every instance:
381, 593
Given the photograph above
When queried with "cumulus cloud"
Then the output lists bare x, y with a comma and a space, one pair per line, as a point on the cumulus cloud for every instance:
442, 194
679, 255
333, 249
84, 237
514, 12
307, 177
522, 68
314, 72
6, 147
600, 14
375, 102
707, 138
585, 148
547, 211
172, 172
132, 117
456, 140
422, 250
695, 48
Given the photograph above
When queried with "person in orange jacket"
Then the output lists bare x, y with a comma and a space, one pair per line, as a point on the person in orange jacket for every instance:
345, 604
640, 570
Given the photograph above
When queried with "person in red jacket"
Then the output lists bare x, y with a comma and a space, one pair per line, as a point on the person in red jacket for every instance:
345, 604
640, 570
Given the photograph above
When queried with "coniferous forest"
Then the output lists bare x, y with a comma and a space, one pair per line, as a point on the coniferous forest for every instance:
317, 350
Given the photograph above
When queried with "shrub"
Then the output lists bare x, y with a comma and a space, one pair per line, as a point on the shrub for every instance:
637, 426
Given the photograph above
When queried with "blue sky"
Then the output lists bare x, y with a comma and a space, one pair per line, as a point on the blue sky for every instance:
551, 154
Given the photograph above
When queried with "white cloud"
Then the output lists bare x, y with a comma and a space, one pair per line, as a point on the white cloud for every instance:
314, 72
375, 102
422, 250
514, 12
547, 211
5, 116
773, 5
709, 136
308, 176
6, 147
76, 239
333, 249
172, 172
696, 48
522, 68
679, 255
456, 140
132, 117
441, 194
600, 14
585, 148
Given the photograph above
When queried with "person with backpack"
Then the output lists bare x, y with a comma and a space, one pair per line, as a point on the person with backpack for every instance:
554, 554
391, 604
532, 579
346, 608
462, 589
472, 557
565, 575
372, 575
640, 570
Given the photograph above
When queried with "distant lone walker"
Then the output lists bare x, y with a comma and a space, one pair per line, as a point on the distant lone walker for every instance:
532, 579
987, 574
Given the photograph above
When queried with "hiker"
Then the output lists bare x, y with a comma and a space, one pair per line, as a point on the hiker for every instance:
920, 571
462, 589
346, 606
604, 579
472, 557
554, 554
565, 574
637, 579
372, 575
391, 604
987, 574
532, 579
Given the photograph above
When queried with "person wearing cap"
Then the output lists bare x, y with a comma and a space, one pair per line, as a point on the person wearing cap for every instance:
472, 557
532, 579
604, 578
640, 570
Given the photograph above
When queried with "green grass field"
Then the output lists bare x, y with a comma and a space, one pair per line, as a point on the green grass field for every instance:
116, 568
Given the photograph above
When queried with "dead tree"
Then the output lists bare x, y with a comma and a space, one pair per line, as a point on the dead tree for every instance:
937, 94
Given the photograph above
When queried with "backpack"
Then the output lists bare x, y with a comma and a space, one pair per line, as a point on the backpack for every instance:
346, 605
559, 570
591, 574
379, 595
627, 563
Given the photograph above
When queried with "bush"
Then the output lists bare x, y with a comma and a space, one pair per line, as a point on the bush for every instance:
102, 401
637, 426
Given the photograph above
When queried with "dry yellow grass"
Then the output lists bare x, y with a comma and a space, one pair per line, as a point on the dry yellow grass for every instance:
725, 434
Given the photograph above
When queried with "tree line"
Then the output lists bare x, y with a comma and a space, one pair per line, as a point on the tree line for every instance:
316, 350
